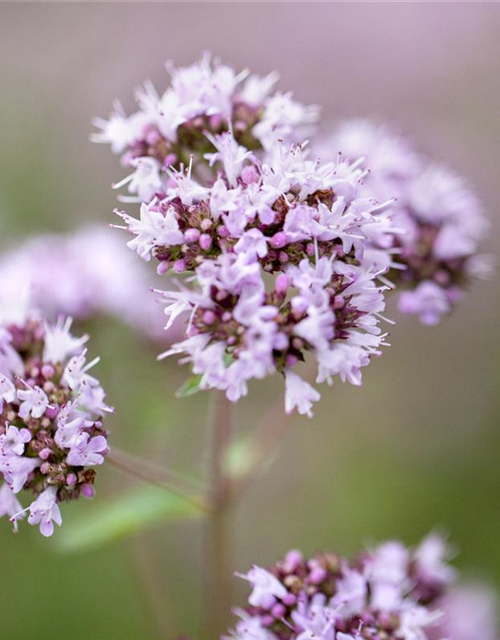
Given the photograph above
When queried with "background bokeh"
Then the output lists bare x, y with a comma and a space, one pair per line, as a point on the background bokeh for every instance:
416, 447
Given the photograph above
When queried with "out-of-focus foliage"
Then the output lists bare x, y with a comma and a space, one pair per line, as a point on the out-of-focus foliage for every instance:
130, 513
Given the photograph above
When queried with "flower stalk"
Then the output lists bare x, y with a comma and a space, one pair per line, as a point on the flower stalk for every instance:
218, 551
158, 475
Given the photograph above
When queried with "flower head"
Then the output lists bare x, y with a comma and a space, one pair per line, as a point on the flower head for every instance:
327, 597
439, 219
54, 274
288, 257
51, 433
302, 222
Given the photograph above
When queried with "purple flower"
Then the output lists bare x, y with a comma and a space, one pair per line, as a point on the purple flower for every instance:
352, 593
299, 394
59, 344
431, 561
10, 505
469, 611
87, 451
45, 511
265, 588
34, 402
429, 301
7, 391
13, 441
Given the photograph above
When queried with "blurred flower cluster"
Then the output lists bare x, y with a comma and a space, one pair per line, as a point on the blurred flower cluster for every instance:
390, 592
51, 410
439, 219
82, 274
289, 258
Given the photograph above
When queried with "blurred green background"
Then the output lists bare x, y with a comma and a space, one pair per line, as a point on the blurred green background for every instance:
416, 447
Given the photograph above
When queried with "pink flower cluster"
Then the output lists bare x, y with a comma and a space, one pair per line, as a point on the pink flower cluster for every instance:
390, 592
303, 223
51, 409
289, 258
204, 99
439, 219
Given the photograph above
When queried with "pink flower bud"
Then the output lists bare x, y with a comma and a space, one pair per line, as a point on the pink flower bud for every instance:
163, 267
209, 317
71, 479
192, 235
282, 283
338, 302
317, 575
223, 231
179, 266
153, 137
291, 360
249, 174
290, 599
205, 241
293, 559
170, 159
280, 342
44, 454
48, 371
278, 240
299, 306
278, 611
87, 491
51, 412
215, 121
442, 277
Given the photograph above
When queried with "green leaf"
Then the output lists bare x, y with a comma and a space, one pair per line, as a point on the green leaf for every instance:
189, 388
129, 513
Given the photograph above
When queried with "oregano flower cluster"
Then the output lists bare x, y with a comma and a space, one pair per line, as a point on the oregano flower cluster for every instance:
288, 257
389, 592
439, 219
51, 420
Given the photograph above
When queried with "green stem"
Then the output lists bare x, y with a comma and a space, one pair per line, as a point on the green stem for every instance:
265, 439
157, 475
218, 537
